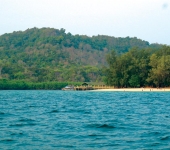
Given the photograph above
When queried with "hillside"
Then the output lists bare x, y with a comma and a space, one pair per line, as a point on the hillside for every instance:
49, 54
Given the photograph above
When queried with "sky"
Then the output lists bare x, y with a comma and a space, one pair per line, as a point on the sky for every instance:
148, 20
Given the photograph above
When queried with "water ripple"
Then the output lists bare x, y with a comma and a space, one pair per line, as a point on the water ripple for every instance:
84, 120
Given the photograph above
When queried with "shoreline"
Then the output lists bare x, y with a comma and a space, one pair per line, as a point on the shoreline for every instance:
135, 90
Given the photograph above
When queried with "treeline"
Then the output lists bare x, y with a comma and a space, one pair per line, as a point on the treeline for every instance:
42, 55
23, 85
138, 68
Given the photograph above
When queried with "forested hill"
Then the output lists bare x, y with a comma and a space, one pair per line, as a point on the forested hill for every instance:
36, 38
49, 54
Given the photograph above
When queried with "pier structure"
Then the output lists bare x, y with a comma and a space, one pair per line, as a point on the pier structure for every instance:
92, 87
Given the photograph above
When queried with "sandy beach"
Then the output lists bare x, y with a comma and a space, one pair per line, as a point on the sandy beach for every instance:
136, 90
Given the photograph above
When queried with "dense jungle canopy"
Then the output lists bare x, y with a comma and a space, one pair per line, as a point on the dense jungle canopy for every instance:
139, 68
52, 55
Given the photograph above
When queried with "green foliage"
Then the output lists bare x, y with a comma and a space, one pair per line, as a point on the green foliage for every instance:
25, 85
134, 81
160, 72
138, 68
52, 55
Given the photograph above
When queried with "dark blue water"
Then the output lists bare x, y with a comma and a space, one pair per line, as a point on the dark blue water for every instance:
84, 120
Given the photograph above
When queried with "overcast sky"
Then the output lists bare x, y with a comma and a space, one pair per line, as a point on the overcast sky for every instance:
145, 19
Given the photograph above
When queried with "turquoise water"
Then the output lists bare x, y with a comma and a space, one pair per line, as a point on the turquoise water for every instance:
84, 120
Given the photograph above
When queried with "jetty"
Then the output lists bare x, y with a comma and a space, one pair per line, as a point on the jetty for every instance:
91, 86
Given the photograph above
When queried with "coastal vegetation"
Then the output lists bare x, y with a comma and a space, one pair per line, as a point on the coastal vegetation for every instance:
139, 68
50, 58
25, 85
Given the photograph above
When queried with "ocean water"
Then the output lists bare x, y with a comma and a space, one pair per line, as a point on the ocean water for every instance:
84, 120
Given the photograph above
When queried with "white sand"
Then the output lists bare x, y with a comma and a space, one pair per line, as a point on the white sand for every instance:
137, 90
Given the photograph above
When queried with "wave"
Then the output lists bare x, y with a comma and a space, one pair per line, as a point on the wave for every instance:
22, 124
106, 126
2, 113
26, 120
165, 138
20, 133
102, 126
94, 135
7, 140
54, 111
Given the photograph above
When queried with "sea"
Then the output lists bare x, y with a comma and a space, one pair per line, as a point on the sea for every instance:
80, 120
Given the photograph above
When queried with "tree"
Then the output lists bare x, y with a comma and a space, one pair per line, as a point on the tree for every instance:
134, 81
